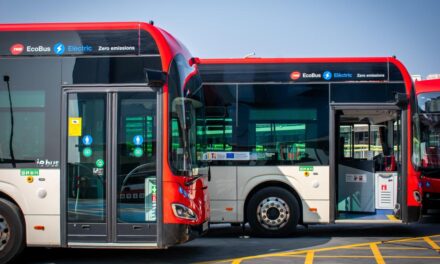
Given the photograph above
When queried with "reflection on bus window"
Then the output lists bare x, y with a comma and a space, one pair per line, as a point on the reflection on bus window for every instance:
185, 108
254, 125
429, 129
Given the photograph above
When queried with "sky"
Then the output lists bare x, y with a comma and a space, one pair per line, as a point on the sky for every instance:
407, 29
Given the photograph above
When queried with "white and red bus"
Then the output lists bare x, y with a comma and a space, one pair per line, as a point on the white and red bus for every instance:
86, 156
426, 140
308, 141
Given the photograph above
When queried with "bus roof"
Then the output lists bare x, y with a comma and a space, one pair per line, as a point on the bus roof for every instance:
297, 60
94, 39
427, 86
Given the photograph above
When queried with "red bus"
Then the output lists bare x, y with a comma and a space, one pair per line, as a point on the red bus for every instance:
426, 140
86, 156
306, 141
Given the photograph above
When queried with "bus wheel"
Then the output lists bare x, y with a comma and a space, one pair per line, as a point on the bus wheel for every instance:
11, 231
273, 211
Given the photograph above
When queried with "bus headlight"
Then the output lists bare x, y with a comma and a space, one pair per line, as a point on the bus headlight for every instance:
184, 212
417, 196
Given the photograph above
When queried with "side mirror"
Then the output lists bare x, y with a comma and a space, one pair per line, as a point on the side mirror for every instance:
155, 79
401, 99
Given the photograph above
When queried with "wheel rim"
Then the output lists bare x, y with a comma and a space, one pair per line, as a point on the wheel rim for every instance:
273, 213
4, 232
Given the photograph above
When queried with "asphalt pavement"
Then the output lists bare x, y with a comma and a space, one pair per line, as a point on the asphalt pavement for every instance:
340, 243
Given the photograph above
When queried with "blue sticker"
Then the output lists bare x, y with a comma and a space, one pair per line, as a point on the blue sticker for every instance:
327, 75
229, 155
138, 140
87, 140
59, 48
183, 192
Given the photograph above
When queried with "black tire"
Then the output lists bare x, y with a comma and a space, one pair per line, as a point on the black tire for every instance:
13, 237
287, 226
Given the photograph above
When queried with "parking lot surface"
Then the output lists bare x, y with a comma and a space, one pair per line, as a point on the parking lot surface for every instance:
407, 250
348, 243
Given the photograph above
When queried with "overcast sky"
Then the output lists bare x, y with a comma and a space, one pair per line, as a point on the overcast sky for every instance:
272, 28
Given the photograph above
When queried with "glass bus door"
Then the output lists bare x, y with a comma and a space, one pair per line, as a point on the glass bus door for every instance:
111, 166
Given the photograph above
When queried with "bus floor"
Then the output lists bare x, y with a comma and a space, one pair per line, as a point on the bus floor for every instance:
380, 214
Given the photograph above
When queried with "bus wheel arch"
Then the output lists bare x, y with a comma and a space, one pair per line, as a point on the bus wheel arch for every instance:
5, 196
12, 228
286, 192
9, 198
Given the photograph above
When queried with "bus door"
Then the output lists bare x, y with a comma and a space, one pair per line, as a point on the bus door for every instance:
110, 165
368, 146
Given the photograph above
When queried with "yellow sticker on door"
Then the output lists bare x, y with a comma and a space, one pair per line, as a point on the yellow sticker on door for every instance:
75, 126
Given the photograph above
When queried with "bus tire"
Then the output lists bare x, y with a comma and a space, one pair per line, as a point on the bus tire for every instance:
12, 233
273, 212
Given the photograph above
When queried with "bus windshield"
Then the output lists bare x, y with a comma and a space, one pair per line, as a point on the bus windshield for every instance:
429, 122
184, 130
185, 109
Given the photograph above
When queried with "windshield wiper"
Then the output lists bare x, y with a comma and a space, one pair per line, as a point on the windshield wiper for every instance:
195, 178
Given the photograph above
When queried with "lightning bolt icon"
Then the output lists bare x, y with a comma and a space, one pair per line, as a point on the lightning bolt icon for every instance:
59, 48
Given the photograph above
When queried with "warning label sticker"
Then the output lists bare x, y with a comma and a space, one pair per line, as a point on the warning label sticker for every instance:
75, 126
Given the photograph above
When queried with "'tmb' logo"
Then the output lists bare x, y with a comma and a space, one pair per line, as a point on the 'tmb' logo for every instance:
295, 75
16, 49
59, 48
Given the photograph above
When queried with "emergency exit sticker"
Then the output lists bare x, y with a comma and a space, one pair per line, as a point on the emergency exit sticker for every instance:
305, 168
29, 172
75, 126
